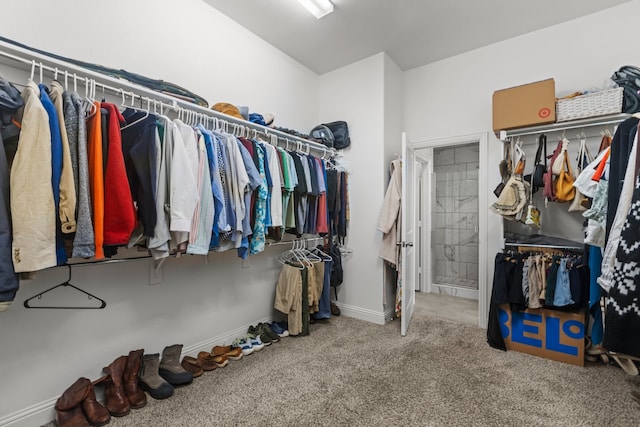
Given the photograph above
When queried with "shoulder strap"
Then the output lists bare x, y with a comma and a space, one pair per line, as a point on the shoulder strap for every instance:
542, 145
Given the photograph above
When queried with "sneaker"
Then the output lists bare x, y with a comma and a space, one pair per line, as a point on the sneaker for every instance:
244, 345
232, 353
258, 332
265, 329
275, 327
255, 342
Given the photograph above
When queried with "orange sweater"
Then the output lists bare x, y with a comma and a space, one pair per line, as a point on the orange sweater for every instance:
96, 177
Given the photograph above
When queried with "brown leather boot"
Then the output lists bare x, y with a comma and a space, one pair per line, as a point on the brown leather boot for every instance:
96, 414
115, 398
137, 397
68, 406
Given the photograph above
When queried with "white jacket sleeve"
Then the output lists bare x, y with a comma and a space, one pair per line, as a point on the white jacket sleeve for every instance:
391, 203
184, 190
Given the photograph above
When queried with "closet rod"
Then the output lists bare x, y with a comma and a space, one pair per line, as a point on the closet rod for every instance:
52, 65
532, 245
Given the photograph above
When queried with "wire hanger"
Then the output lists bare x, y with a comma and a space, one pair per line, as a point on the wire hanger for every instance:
141, 118
67, 283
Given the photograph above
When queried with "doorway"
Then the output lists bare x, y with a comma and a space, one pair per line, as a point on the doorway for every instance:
452, 225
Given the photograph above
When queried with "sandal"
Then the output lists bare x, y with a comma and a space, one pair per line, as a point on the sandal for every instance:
626, 364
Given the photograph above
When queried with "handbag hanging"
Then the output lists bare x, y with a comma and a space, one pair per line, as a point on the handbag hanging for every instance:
549, 191
565, 191
580, 202
557, 163
533, 213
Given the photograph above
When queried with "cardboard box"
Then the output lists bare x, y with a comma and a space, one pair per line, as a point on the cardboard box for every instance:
526, 105
552, 334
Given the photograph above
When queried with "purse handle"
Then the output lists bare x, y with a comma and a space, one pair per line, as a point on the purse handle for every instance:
542, 145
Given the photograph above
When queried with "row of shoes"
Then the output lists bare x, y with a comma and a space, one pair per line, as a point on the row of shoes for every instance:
128, 377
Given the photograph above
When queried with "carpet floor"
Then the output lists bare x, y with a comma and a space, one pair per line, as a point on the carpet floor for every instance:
349, 372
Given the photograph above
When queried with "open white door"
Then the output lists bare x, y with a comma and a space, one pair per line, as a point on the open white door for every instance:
407, 254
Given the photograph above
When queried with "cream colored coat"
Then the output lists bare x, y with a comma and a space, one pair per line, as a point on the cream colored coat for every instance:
390, 218
32, 207
67, 210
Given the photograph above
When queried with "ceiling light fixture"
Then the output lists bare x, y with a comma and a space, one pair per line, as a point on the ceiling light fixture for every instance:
317, 8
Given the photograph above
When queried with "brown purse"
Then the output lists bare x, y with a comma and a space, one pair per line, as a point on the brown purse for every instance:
565, 191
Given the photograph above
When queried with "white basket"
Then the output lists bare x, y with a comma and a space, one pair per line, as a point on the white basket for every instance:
590, 105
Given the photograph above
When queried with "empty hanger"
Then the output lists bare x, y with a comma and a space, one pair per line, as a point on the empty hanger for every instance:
65, 284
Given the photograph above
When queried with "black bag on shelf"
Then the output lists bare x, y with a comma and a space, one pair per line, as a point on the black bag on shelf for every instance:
323, 134
628, 77
340, 132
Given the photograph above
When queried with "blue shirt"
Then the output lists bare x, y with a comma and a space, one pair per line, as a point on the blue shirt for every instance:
56, 167
254, 181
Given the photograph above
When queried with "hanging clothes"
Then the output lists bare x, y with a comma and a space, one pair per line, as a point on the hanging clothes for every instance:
620, 153
96, 177
389, 222
255, 180
258, 238
119, 211
322, 226
202, 223
139, 151
299, 197
622, 315
33, 209
184, 189
288, 299
606, 279
324, 305
56, 169
161, 132
67, 205
215, 184
8, 278
275, 199
84, 239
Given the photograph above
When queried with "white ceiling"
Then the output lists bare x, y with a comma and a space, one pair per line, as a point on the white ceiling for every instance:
411, 32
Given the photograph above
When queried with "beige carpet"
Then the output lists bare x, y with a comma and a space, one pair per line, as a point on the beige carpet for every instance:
353, 373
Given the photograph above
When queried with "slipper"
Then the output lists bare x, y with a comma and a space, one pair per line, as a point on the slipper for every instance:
626, 364
596, 350
636, 396
625, 356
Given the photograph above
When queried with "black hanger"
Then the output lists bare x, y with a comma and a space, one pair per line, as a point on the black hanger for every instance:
65, 284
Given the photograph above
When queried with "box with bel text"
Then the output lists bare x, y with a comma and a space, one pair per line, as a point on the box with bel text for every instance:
552, 334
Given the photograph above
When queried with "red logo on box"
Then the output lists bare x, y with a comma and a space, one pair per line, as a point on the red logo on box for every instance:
543, 113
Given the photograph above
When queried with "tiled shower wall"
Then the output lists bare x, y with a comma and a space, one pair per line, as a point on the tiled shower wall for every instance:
455, 216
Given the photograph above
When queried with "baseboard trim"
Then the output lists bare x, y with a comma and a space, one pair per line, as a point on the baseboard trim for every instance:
38, 414
377, 317
225, 339
44, 412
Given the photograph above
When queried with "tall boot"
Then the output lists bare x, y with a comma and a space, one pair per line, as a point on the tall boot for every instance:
96, 414
151, 381
137, 398
115, 398
170, 368
68, 406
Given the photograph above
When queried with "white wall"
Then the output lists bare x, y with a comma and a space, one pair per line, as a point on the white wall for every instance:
452, 97
355, 94
190, 44
187, 43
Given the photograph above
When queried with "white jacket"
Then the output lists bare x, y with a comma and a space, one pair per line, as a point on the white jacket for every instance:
184, 190
390, 216
32, 207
